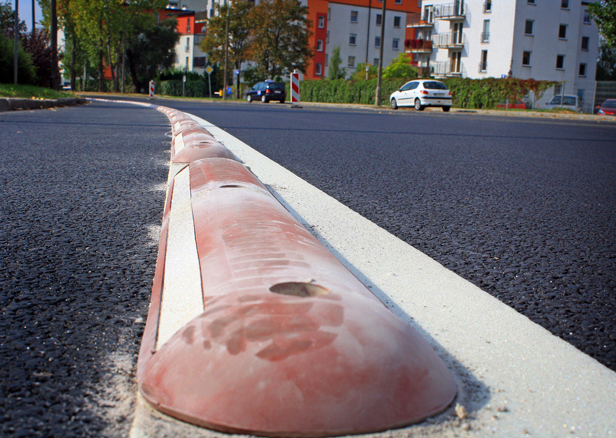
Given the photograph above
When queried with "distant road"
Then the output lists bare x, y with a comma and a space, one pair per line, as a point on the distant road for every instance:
525, 208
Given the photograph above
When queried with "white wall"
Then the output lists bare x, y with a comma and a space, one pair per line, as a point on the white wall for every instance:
340, 28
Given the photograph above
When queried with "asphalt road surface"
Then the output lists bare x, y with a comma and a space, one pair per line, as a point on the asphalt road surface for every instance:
81, 204
523, 208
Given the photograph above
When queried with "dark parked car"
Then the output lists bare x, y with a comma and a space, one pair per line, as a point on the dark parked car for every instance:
266, 91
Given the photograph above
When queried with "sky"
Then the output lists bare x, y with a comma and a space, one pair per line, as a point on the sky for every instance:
25, 12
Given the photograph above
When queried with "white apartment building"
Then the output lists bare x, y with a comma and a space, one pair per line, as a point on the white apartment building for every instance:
551, 40
355, 27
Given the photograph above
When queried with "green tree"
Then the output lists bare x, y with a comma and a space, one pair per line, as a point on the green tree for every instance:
334, 70
606, 66
7, 21
360, 72
151, 51
604, 14
26, 72
239, 34
281, 33
400, 68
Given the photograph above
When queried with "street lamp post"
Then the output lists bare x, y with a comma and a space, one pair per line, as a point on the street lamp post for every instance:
16, 29
224, 91
380, 73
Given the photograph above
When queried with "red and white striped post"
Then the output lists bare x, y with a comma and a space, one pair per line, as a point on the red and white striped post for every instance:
295, 88
151, 89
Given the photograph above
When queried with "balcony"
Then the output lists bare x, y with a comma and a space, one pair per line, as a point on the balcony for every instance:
451, 12
422, 21
453, 40
201, 17
447, 69
418, 46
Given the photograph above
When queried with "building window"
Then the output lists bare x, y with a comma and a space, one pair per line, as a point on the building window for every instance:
351, 62
526, 59
352, 39
585, 42
562, 32
564, 4
582, 70
485, 35
398, 2
327, 37
319, 45
375, 61
379, 18
530, 2
187, 46
395, 44
560, 62
487, 6
397, 21
528, 29
329, 13
354, 16
318, 69
586, 17
558, 89
377, 42
326, 59
483, 65
321, 22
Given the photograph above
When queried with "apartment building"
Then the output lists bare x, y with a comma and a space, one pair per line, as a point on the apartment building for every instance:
541, 39
355, 27
352, 25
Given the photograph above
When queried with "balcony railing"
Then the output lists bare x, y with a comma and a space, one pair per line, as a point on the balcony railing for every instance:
418, 46
450, 40
451, 11
417, 19
447, 69
200, 17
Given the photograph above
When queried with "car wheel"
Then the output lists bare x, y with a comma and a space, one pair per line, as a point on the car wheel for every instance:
394, 104
418, 105
264, 99
446, 108
249, 98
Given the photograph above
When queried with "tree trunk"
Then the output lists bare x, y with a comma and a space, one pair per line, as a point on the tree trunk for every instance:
101, 70
133, 71
73, 72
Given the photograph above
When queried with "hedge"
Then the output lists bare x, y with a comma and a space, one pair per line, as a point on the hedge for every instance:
467, 93
174, 88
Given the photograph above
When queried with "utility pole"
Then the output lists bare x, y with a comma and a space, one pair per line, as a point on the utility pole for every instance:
380, 73
54, 47
15, 55
33, 18
224, 91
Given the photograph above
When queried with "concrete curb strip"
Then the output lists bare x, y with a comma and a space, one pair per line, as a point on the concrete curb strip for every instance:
11, 104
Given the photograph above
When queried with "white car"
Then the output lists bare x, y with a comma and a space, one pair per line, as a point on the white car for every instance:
569, 102
421, 93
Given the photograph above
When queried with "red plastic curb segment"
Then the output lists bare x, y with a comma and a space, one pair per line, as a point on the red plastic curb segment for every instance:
289, 343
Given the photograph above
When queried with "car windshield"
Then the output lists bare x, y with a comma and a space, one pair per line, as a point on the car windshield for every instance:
433, 85
569, 101
609, 104
276, 86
